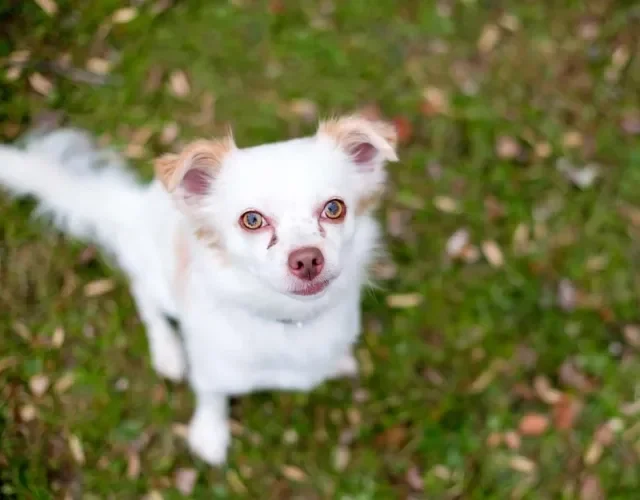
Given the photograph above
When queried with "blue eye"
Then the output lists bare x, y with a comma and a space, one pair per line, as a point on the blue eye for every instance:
334, 209
252, 220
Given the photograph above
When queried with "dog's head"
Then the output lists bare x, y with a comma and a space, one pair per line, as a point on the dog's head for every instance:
284, 213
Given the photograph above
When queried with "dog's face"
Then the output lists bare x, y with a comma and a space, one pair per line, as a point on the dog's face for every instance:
285, 213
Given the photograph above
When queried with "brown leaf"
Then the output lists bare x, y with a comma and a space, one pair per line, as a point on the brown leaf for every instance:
492, 253
545, 391
512, 440
404, 300
133, 465
567, 295
57, 338
435, 101
98, 65
49, 6
99, 287
64, 383
414, 479
39, 384
630, 123
6, 363
565, 412
572, 377
392, 438
632, 335
533, 424
169, 133
293, 473
124, 15
522, 464
77, 452
341, 456
573, 139
305, 109
40, 84
404, 129
457, 242
28, 413
488, 38
185, 480
591, 489
446, 204
179, 83
507, 147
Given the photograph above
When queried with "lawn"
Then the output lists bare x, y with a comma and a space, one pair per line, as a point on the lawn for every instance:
500, 357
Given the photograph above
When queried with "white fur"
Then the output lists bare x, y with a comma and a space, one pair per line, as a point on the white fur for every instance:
243, 329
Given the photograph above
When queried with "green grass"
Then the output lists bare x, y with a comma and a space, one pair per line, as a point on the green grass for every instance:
441, 383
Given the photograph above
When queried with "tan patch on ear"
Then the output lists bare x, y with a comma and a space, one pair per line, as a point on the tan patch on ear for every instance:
350, 130
171, 168
368, 203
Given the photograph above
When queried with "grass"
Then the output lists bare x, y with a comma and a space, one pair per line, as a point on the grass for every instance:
511, 372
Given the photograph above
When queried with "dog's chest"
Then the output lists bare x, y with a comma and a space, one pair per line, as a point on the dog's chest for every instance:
243, 354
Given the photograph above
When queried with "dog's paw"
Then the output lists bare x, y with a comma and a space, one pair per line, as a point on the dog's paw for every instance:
209, 439
346, 367
167, 357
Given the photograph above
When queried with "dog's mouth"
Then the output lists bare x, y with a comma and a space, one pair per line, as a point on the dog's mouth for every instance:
310, 289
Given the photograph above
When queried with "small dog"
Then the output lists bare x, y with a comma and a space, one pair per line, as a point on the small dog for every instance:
260, 253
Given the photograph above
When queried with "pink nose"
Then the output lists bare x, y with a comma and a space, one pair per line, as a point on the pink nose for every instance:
306, 263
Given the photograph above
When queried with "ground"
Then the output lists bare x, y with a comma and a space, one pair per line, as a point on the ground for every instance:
500, 355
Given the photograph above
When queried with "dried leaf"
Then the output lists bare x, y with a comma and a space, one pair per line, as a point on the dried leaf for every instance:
98, 65
630, 123
392, 438
179, 83
582, 177
494, 440
341, 457
39, 384
492, 253
49, 6
169, 133
153, 495
457, 242
572, 377
124, 15
488, 38
565, 412
632, 335
404, 300
522, 464
133, 465
99, 287
435, 101
545, 392
290, 436
512, 440
185, 480
40, 84
591, 489
446, 204
533, 424
293, 473
594, 453
404, 129
7, 363
305, 109
507, 147
28, 413
77, 452
414, 479
567, 295
573, 139
57, 338
64, 383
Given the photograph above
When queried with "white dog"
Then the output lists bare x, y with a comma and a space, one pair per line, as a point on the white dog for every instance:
260, 253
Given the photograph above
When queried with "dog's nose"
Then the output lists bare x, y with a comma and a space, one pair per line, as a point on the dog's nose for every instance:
306, 263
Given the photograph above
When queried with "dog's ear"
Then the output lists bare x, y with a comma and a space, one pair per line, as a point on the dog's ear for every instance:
369, 143
189, 175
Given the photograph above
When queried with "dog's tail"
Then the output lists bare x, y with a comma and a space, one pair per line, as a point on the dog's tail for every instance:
87, 192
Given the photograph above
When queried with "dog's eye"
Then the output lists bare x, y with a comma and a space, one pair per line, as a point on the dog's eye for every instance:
334, 209
252, 220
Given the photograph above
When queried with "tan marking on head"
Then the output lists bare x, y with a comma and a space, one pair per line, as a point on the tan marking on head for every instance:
209, 154
350, 130
368, 203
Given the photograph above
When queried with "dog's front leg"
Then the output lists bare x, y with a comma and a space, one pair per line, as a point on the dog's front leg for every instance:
209, 434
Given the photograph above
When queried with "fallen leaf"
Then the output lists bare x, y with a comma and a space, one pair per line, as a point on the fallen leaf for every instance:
179, 83
98, 65
572, 377
492, 253
456, 242
133, 465
470, 254
507, 147
581, 177
567, 295
509, 22
153, 495
40, 84
404, 300
543, 150
414, 479
28, 413
591, 489
124, 15
169, 133
290, 436
494, 440
435, 101
77, 452
185, 480
39, 384
99, 287
446, 204
533, 424
404, 129
522, 464
512, 440
49, 6
565, 412
632, 335
293, 473
392, 438
594, 453
341, 457
64, 383
630, 123
488, 38
7, 363
305, 109
545, 392
57, 338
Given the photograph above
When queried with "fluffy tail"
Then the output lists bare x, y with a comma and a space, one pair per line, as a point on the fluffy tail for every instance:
87, 192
